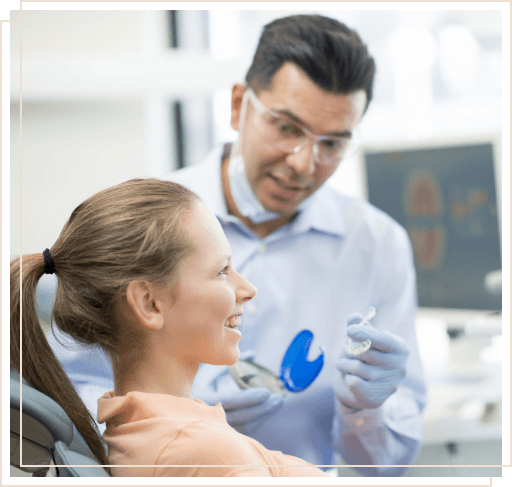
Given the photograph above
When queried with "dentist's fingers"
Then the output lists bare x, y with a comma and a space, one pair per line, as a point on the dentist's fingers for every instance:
369, 394
381, 340
248, 355
248, 414
367, 372
384, 360
354, 319
244, 398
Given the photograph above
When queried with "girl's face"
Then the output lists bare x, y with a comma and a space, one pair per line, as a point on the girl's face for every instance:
208, 299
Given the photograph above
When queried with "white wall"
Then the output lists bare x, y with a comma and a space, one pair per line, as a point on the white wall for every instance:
72, 148
70, 151
76, 32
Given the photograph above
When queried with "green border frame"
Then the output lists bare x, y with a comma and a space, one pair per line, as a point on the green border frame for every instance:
503, 481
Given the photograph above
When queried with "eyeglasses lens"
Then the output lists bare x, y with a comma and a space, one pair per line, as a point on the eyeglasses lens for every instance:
289, 137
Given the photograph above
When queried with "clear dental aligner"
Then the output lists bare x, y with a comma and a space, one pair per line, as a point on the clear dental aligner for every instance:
356, 348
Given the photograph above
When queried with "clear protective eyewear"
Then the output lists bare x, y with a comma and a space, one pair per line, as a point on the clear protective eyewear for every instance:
286, 135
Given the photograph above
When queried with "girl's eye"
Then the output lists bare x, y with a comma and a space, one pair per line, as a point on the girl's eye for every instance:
224, 271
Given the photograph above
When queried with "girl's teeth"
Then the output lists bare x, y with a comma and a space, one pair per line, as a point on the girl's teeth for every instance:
233, 322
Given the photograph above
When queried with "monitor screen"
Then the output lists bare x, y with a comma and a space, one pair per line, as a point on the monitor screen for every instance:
445, 197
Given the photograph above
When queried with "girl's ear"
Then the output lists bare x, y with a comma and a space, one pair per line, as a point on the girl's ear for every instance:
144, 300
237, 94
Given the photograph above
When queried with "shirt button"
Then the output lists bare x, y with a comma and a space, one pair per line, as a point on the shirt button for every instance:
359, 422
262, 248
251, 309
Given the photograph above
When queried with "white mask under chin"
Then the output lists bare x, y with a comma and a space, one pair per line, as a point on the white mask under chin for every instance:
243, 195
245, 199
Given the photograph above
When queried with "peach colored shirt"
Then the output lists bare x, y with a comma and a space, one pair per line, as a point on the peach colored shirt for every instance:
174, 435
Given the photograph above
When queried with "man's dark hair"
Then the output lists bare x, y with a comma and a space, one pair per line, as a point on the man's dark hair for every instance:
331, 54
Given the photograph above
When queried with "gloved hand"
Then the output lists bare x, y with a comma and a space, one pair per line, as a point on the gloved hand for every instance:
246, 409
367, 380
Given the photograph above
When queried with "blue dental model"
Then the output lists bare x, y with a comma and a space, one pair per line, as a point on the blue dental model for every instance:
297, 372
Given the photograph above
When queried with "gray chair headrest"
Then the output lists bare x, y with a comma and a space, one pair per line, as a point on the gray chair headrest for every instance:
65, 456
40, 407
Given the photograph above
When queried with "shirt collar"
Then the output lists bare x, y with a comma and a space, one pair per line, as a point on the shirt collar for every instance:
207, 182
323, 214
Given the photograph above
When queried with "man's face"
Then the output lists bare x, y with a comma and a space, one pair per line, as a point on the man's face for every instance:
281, 181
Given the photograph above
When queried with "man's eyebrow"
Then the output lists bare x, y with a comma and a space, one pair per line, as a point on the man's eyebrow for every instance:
289, 114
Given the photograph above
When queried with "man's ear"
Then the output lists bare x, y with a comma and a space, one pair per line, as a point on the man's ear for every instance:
237, 93
144, 300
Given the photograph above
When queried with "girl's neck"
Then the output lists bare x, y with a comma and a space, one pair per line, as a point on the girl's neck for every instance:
152, 374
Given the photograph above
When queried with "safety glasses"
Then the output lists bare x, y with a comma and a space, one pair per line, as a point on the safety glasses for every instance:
286, 135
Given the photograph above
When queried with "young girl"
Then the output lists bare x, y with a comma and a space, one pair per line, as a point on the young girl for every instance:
144, 271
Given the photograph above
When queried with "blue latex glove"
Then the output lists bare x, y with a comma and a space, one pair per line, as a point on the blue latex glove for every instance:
246, 409
367, 380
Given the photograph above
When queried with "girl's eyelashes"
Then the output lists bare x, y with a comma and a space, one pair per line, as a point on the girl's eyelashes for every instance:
224, 271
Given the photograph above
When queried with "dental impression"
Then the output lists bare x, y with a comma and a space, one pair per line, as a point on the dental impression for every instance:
357, 348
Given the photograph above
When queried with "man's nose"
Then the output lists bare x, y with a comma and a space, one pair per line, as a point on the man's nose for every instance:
303, 161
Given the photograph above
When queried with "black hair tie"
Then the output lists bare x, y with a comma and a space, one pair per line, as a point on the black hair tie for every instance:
49, 266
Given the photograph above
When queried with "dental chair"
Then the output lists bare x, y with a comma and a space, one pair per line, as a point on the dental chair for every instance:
48, 438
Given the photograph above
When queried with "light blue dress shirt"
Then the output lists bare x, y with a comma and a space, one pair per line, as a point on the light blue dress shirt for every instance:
340, 255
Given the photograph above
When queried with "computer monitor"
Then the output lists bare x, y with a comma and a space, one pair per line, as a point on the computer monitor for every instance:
444, 195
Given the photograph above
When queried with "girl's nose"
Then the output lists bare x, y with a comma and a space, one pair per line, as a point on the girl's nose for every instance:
245, 290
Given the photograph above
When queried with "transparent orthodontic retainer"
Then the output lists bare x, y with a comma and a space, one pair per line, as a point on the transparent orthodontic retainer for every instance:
357, 348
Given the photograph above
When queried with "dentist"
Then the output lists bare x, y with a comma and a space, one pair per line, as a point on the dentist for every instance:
316, 256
